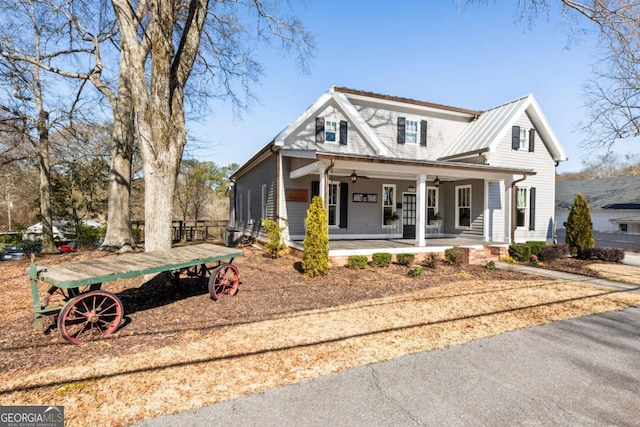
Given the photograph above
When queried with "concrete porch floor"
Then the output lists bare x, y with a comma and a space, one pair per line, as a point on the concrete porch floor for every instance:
342, 248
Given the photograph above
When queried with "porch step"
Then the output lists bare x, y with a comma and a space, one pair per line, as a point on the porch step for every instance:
486, 254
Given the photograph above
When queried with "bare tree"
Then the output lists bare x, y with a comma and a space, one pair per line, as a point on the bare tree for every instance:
34, 102
613, 94
163, 42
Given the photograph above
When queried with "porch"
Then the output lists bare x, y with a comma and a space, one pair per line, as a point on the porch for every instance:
479, 250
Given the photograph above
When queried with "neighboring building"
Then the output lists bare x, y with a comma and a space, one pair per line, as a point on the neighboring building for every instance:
489, 174
614, 202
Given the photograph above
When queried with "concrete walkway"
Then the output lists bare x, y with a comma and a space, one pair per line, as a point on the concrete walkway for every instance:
579, 372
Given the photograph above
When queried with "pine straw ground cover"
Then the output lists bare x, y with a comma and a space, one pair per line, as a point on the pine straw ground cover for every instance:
179, 350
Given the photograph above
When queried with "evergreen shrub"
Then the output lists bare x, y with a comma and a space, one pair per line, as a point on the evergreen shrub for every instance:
381, 259
315, 260
357, 261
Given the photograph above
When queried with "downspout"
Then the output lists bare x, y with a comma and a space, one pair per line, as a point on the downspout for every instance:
325, 190
277, 183
514, 207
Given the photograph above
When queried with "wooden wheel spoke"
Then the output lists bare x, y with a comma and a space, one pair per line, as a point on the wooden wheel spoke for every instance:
90, 316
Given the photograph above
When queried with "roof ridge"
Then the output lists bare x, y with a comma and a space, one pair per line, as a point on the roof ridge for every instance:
350, 91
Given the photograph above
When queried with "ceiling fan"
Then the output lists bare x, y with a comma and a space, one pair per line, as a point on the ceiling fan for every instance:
354, 177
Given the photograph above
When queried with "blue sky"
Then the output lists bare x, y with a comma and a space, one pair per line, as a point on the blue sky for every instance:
475, 57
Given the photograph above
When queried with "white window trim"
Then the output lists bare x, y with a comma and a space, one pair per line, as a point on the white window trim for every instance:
406, 131
458, 226
393, 206
337, 131
527, 201
524, 139
436, 207
336, 204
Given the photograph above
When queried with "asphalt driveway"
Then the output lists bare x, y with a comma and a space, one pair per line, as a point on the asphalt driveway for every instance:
579, 372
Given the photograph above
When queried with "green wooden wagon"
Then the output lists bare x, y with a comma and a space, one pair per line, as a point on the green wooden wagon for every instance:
87, 312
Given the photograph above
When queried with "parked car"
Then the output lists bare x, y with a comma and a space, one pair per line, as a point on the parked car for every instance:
11, 253
68, 247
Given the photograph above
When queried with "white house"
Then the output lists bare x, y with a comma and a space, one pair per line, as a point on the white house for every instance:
489, 174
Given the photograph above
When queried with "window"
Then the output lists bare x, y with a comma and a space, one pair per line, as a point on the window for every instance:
334, 204
521, 207
524, 138
623, 227
388, 204
463, 206
331, 131
240, 207
432, 204
264, 201
411, 131
248, 206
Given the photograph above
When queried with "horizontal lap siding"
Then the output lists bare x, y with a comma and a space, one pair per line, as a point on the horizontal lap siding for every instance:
539, 160
448, 201
263, 173
440, 132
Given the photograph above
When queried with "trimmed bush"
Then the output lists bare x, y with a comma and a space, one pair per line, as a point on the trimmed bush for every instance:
381, 259
405, 259
520, 251
579, 234
415, 271
554, 252
535, 247
275, 246
315, 261
602, 254
357, 261
431, 260
490, 265
456, 256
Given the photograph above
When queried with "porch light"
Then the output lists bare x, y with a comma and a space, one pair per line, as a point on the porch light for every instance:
436, 182
411, 189
353, 177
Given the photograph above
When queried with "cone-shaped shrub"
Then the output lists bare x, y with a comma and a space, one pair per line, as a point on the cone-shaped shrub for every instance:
579, 227
315, 261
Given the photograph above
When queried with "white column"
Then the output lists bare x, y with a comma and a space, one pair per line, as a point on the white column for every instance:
323, 185
421, 208
508, 214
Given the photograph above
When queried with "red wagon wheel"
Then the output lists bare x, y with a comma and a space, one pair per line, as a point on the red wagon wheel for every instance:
90, 316
224, 281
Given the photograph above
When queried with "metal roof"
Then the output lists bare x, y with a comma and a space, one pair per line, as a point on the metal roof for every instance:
601, 193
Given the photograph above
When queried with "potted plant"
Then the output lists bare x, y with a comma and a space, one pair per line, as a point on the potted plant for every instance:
436, 219
391, 219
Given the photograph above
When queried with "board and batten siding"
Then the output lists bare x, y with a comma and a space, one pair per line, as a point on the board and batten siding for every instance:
252, 181
539, 160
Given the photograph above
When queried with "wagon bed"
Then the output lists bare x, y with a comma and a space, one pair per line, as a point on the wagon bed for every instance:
88, 308
79, 273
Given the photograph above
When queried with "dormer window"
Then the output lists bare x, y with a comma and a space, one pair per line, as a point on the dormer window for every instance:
331, 131
523, 138
411, 131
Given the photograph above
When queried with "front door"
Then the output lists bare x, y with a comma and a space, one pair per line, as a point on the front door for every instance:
408, 216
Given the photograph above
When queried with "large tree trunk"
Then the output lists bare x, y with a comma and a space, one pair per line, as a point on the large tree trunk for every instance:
48, 246
119, 234
158, 101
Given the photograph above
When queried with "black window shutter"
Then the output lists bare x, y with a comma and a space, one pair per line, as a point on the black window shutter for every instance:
515, 137
532, 208
344, 202
401, 121
315, 188
343, 132
532, 139
423, 133
319, 130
